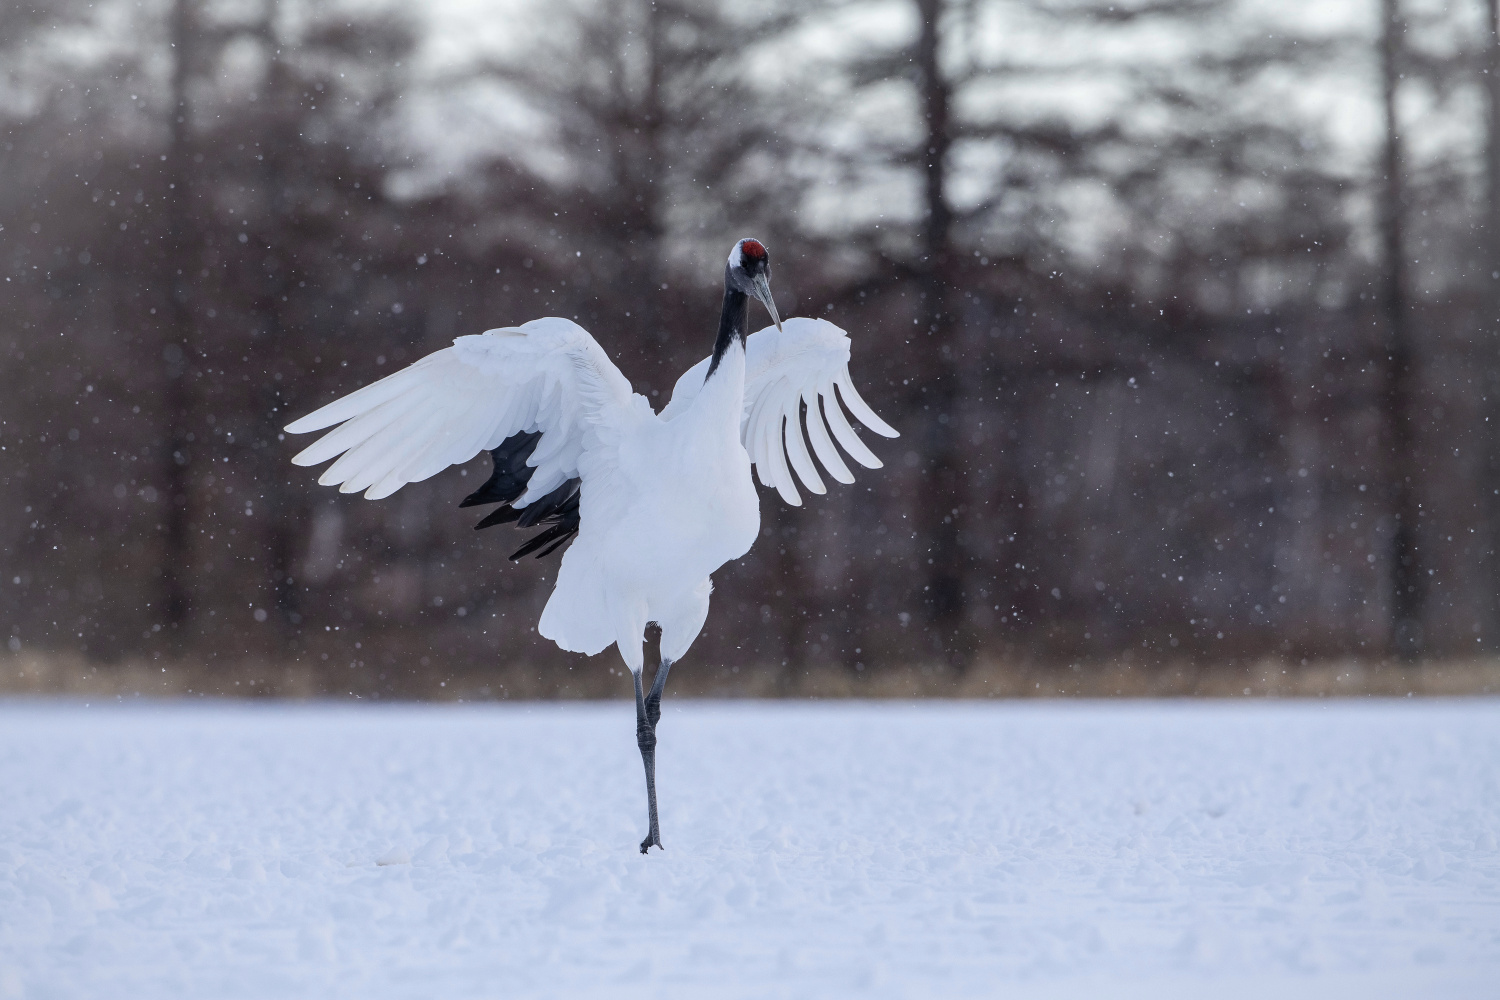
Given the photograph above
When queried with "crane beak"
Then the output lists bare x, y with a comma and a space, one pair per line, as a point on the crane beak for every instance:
763, 292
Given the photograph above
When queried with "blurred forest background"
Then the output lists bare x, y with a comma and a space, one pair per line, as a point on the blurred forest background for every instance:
1186, 310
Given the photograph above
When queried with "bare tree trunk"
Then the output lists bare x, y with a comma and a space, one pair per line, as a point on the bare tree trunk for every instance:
279, 517
1399, 392
788, 594
1489, 276
177, 334
1492, 147
936, 392
642, 136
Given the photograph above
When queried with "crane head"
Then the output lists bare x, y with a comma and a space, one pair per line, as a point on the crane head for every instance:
749, 272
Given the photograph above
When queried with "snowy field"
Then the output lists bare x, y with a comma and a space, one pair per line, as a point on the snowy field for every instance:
214, 850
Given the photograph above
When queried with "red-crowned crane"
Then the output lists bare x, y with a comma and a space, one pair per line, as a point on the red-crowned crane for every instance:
655, 502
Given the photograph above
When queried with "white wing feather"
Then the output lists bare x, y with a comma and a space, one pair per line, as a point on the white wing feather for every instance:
547, 375
805, 362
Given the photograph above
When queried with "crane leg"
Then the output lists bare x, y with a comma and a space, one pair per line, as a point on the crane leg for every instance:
647, 714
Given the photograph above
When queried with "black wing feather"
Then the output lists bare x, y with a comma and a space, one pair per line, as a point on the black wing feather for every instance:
512, 475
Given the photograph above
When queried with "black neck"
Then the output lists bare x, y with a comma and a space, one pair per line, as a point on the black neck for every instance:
732, 323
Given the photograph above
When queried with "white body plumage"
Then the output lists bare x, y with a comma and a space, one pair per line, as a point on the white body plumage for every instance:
673, 505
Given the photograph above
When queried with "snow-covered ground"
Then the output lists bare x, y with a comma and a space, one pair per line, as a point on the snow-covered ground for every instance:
812, 850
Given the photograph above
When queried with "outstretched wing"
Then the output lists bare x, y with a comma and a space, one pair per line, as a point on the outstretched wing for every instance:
546, 376
800, 363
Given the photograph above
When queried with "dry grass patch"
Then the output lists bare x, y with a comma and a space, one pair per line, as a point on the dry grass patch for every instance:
40, 673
